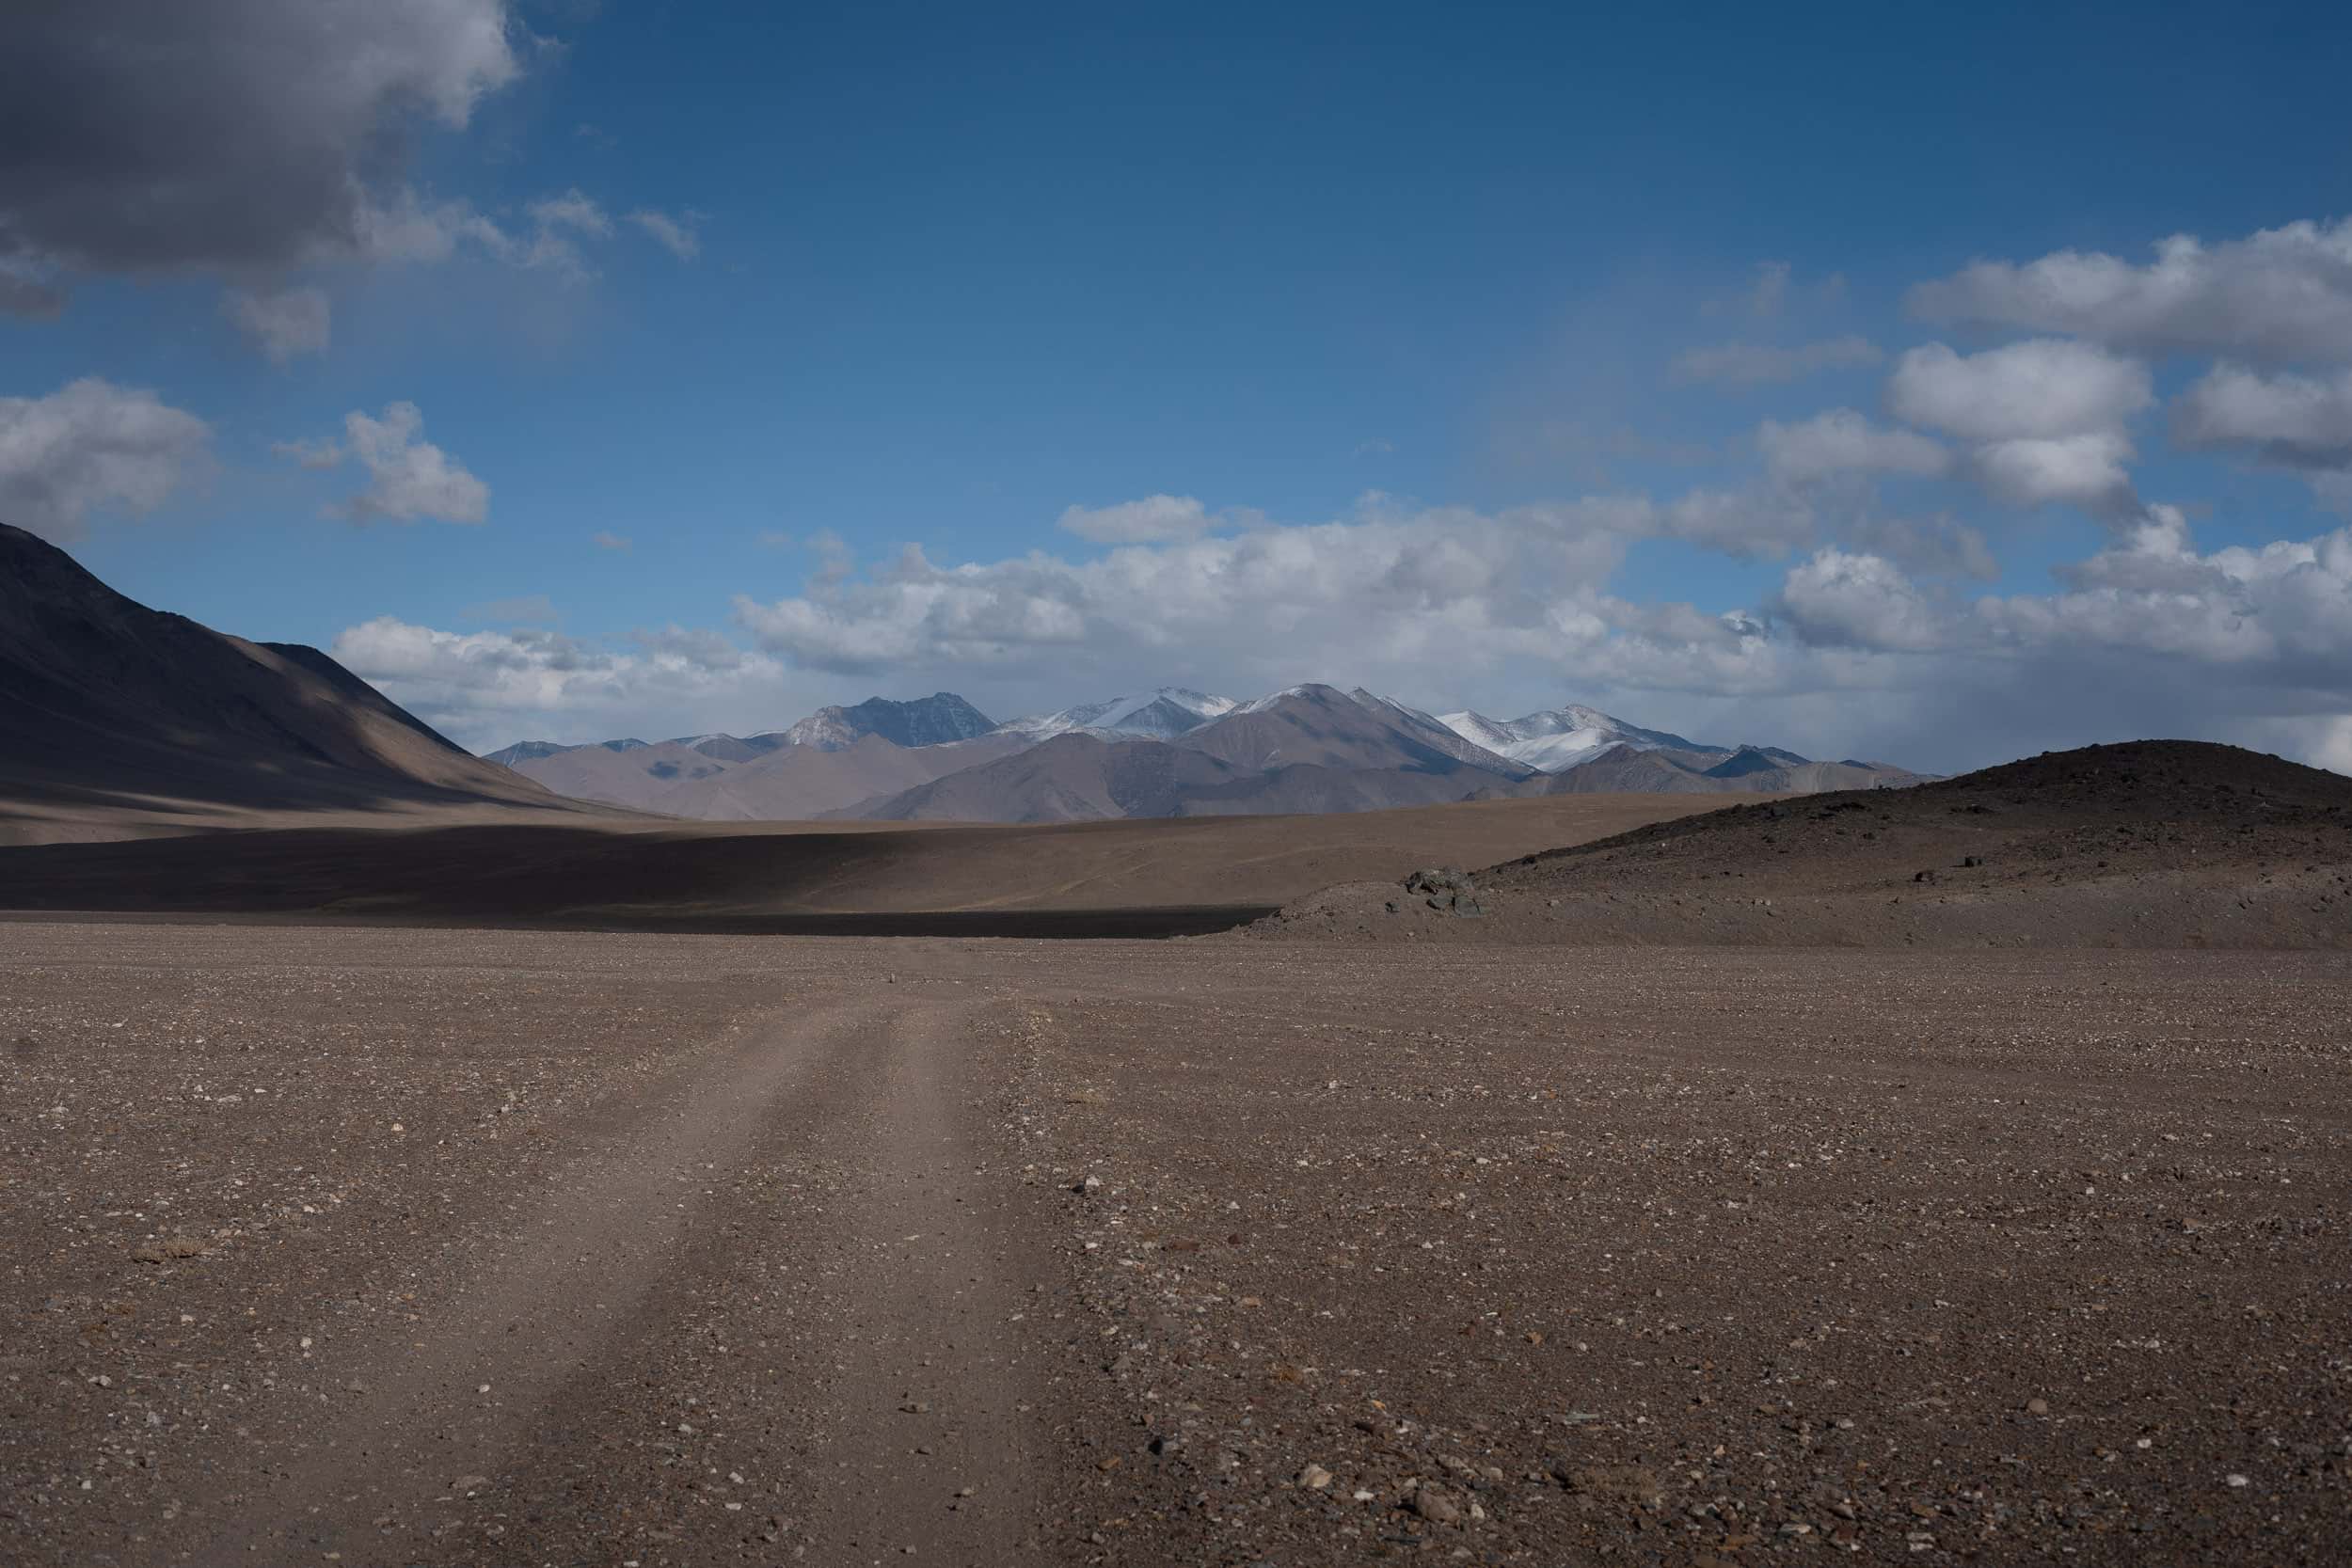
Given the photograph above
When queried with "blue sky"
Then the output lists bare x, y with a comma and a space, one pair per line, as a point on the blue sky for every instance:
1436, 332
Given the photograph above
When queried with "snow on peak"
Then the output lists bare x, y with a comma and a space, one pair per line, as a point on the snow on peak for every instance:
1559, 739
1161, 714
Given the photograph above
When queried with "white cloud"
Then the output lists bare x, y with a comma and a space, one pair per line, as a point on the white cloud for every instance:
2281, 294
1381, 590
487, 687
1843, 441
676, 235
93, 447
2286, 606
2042, 388
1752, 364
283, 323
1153, 517
408, 478
604, 539
2046, 417
2301, 423
402, 227
1850, 655
555, 222
1854, 600
571, 210
1771, 288
2088, 470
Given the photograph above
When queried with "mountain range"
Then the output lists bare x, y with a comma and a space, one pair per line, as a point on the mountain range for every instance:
1171, 752
117, 719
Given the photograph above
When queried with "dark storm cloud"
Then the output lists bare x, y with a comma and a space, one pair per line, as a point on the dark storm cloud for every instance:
242, 136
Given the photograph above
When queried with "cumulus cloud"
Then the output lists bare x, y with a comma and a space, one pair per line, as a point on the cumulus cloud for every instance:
283, 323
239, 136
1751, 364
1137, 522
490, 687
674, 235
1857, 600
2286, 606
2089, 470
1381, 590
2047, 416
408, 478
93, 447
1850, 654
2044, 387
2281, 295
1842, 441
2298, 422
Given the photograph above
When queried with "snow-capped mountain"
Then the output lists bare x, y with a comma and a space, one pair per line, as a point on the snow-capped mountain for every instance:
1159, 715
1325, 727
926, 721
1169, 751
1560, 738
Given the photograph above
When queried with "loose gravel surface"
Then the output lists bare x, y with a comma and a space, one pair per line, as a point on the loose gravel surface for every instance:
458, 1247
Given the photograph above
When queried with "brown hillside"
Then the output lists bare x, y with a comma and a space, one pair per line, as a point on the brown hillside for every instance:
2149, 844
115, 718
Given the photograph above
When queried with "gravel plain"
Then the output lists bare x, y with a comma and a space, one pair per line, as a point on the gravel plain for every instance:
453, 1247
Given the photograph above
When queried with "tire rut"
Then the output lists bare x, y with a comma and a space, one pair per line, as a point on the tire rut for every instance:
780, 1316
463, 1388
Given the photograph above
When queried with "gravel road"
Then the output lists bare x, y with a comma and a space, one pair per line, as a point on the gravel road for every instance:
444, 1247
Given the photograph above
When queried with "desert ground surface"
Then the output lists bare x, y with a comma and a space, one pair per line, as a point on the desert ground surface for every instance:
487, 864
508, 1247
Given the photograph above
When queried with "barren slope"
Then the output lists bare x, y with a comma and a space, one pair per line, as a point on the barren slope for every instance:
116, 719
798, 783
2150, 844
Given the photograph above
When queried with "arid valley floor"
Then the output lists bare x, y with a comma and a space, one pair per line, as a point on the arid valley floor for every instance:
462, 1247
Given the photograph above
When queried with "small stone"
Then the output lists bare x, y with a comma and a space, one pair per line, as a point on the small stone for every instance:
1432, 1504
2037, 1407
2237, 1480
915, 1407
469, 1483
1314, 1478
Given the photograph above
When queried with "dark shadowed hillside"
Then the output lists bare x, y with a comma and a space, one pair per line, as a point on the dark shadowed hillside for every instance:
2150, 844
107, 707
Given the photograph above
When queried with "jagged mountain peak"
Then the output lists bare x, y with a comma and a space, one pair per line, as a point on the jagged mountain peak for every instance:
931, 721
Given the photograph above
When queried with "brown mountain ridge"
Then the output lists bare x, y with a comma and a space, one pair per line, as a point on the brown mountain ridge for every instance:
118, 717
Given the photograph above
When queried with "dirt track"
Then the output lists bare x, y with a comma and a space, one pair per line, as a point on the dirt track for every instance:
451, 1248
